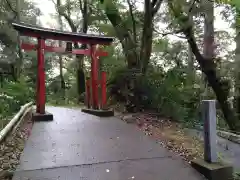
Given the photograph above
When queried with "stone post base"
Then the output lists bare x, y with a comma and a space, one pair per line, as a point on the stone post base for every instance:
42, 117
213, 171
100, 113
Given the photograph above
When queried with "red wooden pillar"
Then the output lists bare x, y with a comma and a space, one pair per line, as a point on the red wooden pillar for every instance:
88, 94
94, 77
40, 77
104, 89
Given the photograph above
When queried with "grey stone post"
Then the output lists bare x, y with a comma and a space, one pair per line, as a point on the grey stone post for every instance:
210, 131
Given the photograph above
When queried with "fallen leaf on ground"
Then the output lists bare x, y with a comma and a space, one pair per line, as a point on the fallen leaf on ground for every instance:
170, 135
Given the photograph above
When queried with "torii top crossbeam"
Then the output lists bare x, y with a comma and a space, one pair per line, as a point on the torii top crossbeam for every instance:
46, 33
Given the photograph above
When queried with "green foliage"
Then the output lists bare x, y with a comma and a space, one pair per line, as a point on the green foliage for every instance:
235, 4
126, 86
58, 96
168, 93
236, 174
13, 95
232, 2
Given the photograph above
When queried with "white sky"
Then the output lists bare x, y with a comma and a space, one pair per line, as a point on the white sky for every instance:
47, 7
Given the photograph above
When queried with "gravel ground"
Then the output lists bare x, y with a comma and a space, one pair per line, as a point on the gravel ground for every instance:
12, 147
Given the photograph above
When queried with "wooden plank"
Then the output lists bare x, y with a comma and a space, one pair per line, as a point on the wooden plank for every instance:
30, 47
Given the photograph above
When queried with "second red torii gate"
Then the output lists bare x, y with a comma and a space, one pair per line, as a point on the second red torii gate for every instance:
44, 33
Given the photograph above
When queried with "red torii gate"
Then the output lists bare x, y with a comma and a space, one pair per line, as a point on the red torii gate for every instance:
92, 40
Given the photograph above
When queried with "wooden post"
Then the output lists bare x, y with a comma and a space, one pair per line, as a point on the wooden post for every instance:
41, 77
94, 77
88, 94
210, 131
104, 89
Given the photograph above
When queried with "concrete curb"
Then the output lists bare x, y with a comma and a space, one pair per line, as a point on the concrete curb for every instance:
224, 134
229, 136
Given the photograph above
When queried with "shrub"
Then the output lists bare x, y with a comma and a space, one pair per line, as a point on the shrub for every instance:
168, 93
13, 95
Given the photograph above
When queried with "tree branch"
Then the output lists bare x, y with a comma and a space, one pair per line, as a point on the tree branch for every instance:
70, 22
191, 7
156, 7
85, 17
81, 6
54, 3
68, 19
69, 9
133, 20
171, 33
153, 3
10, 6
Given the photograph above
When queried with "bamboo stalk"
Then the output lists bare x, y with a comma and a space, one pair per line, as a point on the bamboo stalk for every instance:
22, 118
13, 122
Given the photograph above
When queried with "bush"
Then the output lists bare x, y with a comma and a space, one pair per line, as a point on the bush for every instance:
13, 95
169, 93
129, 87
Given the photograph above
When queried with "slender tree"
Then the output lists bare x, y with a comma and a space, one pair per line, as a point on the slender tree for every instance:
208, 67
208, 47
65, 11
191, 70
137, 53
237, 61
60, 56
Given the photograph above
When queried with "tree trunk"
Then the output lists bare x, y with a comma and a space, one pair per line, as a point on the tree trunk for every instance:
1, 80
209, 69
136, 58
208, 48
134, 31
237, 64
61, 73
19, 60
191, 70
147, 35
207, 66
60, 56
80, 58
129, 46
86, 12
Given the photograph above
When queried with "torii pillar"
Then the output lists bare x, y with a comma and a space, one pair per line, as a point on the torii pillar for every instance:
41, 114
95, 106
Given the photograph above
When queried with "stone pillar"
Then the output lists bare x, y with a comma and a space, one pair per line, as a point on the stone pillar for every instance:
210, 131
